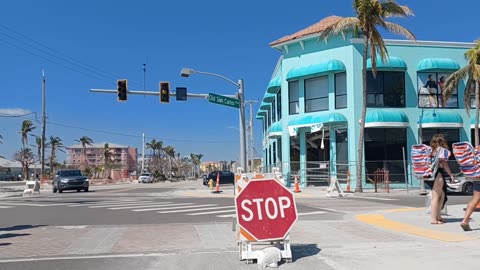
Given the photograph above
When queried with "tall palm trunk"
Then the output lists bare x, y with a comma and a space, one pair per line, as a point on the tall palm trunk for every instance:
361, 142
477, 111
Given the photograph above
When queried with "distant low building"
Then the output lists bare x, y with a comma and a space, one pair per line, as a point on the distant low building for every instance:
122, 162
11, 169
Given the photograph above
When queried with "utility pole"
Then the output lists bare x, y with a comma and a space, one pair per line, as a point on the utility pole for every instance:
42, 170
252, 154
143, 152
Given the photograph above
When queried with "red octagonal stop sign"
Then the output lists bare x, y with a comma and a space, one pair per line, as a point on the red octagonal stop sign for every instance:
266, 209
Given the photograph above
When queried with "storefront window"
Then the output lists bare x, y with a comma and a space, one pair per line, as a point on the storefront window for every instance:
279, 105
387, 89
430, 91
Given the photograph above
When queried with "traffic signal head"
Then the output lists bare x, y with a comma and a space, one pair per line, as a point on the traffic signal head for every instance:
122, 89
165, 92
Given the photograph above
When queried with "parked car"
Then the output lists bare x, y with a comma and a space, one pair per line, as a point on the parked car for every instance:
146, 178
461, 184
226, 177
70, 180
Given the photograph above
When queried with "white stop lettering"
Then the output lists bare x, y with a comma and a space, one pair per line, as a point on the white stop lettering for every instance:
271, 206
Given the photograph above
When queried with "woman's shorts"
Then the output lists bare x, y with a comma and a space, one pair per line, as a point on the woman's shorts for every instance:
476, 186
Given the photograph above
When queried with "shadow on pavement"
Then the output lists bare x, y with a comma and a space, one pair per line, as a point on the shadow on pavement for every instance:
306, 250
10, 235
20, 227
5, 244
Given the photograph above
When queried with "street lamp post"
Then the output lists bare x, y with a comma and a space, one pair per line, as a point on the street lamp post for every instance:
186, 72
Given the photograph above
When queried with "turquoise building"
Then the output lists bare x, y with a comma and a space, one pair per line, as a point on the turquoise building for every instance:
311, 108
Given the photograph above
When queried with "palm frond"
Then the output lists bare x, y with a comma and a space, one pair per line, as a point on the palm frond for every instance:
392, 9
469, 90
342, 26
453, 81
399, 30
377, 47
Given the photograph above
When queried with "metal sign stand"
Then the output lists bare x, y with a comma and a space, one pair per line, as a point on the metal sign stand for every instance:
245, 246
334, 185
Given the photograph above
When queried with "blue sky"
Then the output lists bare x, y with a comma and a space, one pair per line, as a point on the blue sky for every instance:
90, 44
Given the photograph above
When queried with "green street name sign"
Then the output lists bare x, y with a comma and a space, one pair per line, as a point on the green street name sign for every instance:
223, 100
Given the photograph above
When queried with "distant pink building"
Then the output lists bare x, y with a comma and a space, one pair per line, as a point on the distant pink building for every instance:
123, 159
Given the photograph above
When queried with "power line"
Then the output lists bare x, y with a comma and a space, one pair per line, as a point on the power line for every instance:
124, 134
75, 65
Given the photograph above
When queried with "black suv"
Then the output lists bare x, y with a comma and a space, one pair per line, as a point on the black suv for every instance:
226, 177
69, 180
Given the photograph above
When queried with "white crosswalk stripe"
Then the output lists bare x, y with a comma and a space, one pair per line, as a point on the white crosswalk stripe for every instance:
193, 210
79, 204
3, 206
121, 205
184, 205
211, 212
142, 206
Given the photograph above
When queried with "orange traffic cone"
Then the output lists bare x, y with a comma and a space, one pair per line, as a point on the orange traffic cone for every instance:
297, 188
217, 187
348, 182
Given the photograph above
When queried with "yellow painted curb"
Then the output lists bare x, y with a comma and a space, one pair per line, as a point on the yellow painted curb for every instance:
380, 221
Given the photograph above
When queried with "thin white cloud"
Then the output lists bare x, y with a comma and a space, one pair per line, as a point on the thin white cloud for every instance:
14, 112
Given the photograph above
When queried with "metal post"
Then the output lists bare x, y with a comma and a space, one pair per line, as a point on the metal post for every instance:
243, 148
42, 152
252, 168
143, 152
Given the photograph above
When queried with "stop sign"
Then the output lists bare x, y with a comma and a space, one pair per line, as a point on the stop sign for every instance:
266, 209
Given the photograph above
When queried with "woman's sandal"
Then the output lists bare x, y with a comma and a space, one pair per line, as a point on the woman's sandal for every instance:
465, 227
436, 222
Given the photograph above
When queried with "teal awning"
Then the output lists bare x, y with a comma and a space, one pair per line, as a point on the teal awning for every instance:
275, 130
265, 106
268, 98
274, 85
391, 63
386, 118
441, 119
437, 64
311, 70
315, 119
261, 114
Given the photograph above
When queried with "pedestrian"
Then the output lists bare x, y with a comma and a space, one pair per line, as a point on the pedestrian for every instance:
471, 206
441, 153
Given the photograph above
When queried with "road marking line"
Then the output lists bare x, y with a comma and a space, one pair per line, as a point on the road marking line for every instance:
227, 216
1, 206
311, 213
187, 205
143, 206
22, 204
375, 198
380, 221
120, 190
78, 204
410, 209
211, 212
193, 210
118, 205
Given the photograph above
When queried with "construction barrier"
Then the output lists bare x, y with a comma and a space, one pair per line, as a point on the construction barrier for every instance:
382, 179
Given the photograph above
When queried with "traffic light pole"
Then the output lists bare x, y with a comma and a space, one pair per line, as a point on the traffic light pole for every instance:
153, 93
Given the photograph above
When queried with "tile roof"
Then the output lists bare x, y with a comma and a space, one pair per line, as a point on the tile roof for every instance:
313, 29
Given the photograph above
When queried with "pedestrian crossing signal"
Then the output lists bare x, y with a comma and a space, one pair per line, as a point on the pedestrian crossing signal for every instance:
165, 92
122, 89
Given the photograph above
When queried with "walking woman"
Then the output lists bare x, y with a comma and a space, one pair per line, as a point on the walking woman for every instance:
439, 198
471, 206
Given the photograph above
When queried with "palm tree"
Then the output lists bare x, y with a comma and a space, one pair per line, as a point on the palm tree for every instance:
85, 140
27, 127
107, 157
26, 157
155, 147
370, 14
170, 152
1, 139
55, 144
472, 73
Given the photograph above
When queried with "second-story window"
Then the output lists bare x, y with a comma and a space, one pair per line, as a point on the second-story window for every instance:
340, 90
316, 94
274, 112
430, 91
279, 104
387, 89
293, 99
